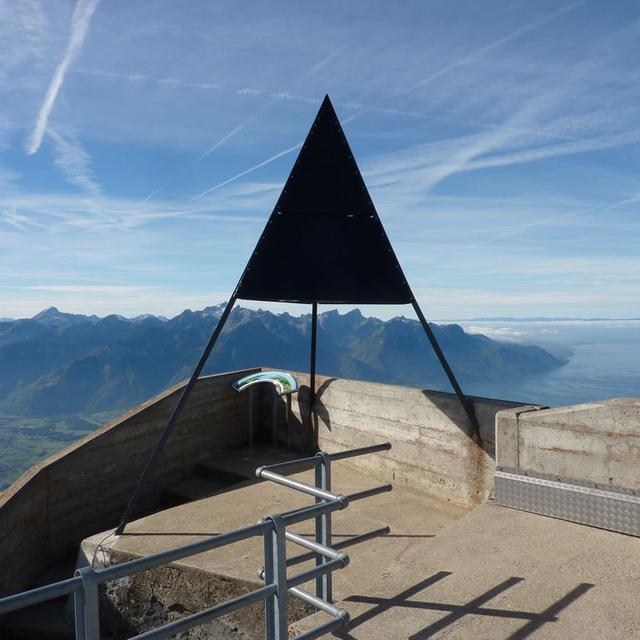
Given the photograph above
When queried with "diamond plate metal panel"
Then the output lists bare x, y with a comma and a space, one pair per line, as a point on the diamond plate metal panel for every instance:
596, 507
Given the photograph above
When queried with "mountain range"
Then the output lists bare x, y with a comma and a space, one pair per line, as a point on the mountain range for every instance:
61, 364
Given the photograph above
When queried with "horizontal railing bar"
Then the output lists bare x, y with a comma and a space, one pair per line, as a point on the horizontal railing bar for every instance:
367, 493
306, 513
207, 614
362, 451
265, 474
363, 537
338, 455
317, 602
40, 594
314, 546
151, 562
318, 571
323, 629
300, 462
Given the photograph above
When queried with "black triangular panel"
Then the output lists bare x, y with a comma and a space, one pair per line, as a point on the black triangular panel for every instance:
325, 178
324, 241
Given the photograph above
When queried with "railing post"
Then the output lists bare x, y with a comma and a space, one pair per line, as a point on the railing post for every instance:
78, 612
323, 525
89, 601
251, 416
275, 572
274, 418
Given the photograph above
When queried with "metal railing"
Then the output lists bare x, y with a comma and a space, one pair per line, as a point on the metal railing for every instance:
84, 586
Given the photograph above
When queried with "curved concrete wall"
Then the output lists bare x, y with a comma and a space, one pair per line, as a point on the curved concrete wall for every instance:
83, 489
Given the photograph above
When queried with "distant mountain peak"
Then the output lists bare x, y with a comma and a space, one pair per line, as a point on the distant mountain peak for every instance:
53, 317
214, 310
47, 313
61, 363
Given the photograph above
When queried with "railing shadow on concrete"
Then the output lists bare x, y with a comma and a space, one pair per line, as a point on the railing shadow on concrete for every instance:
533, 620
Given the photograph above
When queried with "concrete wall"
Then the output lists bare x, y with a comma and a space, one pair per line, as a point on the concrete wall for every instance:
596, 443
83, 489
433, 450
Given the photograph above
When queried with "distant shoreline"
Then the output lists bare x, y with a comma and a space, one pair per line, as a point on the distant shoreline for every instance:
540, 319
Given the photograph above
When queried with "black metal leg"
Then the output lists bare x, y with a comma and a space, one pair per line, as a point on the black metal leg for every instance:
464, 401
312, 376
186, 392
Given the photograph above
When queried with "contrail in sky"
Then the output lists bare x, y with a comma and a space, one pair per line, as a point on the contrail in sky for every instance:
268, 104
80, 21
537, 223
251, 118
497, 43
475, 54
522, 30
478, 52
250, 170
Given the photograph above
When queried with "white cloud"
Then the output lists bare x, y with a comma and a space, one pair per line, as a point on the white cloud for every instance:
91, 288
246, 172
80, 22
74, 161
248, 92
500, 42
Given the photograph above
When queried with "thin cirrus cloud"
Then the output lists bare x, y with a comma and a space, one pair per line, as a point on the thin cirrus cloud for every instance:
498, 147
74, 162
496, 44
463, 154
80, 23
424, 166
273, 97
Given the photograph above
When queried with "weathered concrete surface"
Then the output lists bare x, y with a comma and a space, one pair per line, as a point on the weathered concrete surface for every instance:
500, 574
433, 449
492, 573
414, 519
596, 443
144, 601
84, 488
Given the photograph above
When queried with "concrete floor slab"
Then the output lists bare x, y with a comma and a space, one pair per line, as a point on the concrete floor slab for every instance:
492, 574
413, 518
500, 574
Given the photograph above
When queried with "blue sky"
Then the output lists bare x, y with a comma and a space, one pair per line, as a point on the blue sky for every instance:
144, 144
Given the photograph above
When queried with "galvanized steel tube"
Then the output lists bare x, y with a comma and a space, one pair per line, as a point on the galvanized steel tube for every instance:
142, 564
362, 451
295, 484
41, 594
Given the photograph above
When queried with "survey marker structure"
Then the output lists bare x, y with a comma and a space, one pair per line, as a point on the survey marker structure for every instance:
324, 243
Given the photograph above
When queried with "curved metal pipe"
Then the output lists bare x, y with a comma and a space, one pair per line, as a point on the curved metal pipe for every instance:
283, 382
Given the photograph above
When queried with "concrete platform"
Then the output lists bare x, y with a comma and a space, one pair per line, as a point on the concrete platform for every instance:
412, 517
224, 472
500, 574
493, 573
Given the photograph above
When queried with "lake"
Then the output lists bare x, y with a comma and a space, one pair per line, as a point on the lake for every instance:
603, 360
